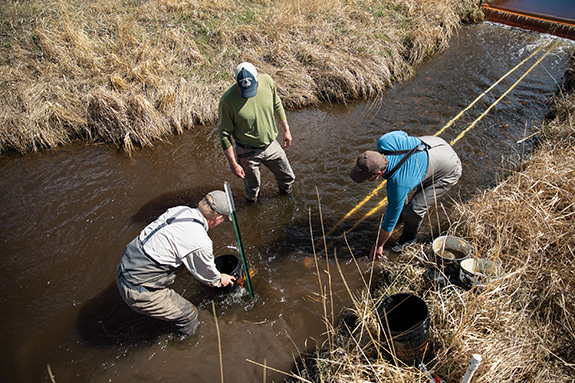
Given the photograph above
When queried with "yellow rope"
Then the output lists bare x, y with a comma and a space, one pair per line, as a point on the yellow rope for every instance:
359, 205
487, 91
383, 202
502, 96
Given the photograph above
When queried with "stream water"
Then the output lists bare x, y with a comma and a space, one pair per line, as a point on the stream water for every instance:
67, 214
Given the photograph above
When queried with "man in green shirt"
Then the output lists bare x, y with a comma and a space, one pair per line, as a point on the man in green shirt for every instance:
247, 112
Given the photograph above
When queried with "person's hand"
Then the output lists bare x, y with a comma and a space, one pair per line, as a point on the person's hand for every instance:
377, 249
377, 252
239, 171
287, 139
227, 280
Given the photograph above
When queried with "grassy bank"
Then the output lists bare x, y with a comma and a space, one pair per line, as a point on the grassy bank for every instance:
130, 72
523, 324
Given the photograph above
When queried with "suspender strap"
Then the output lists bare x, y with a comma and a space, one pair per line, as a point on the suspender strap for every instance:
396, 152
169, 221
408, 153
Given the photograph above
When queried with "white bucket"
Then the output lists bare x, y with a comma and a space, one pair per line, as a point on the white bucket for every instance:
450, 248
449, 251
476, 272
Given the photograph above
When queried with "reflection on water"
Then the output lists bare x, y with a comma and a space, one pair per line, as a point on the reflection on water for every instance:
66, 216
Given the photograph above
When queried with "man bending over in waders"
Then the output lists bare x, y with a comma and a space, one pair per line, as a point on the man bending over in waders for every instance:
428, 165
178, 238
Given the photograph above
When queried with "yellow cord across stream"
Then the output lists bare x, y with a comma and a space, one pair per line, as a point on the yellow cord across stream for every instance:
374, 192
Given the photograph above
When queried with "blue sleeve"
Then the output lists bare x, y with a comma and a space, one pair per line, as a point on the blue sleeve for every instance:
396, 196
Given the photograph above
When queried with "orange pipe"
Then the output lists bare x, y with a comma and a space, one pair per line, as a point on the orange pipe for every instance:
559, 27
529, 15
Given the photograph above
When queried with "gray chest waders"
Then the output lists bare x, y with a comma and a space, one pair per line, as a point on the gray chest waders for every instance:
140, 269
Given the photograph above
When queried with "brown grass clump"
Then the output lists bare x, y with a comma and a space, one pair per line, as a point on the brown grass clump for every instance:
523, 323
88, 69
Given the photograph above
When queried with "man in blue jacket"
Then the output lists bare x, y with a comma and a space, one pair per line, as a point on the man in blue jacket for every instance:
428, 165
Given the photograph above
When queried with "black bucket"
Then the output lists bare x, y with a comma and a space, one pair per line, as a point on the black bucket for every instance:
231, 265
404, 319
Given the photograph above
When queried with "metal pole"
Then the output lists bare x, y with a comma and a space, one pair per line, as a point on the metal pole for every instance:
239, 237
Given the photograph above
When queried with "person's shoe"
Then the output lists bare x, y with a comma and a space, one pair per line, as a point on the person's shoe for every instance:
398, 247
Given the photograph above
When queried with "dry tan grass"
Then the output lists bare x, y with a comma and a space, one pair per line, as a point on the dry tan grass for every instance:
522, 324
69, 67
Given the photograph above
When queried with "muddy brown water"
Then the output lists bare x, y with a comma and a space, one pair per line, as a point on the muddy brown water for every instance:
451, 254
67, 214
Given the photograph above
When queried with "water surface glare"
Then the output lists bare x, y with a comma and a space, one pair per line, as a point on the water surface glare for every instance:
67, 214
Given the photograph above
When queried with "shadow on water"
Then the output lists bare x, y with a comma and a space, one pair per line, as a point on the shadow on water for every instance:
106, 320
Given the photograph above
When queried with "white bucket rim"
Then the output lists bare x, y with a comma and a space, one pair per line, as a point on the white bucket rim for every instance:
469, 266
462, 246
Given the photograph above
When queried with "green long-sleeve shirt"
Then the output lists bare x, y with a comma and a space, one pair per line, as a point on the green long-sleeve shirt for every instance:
250, 121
